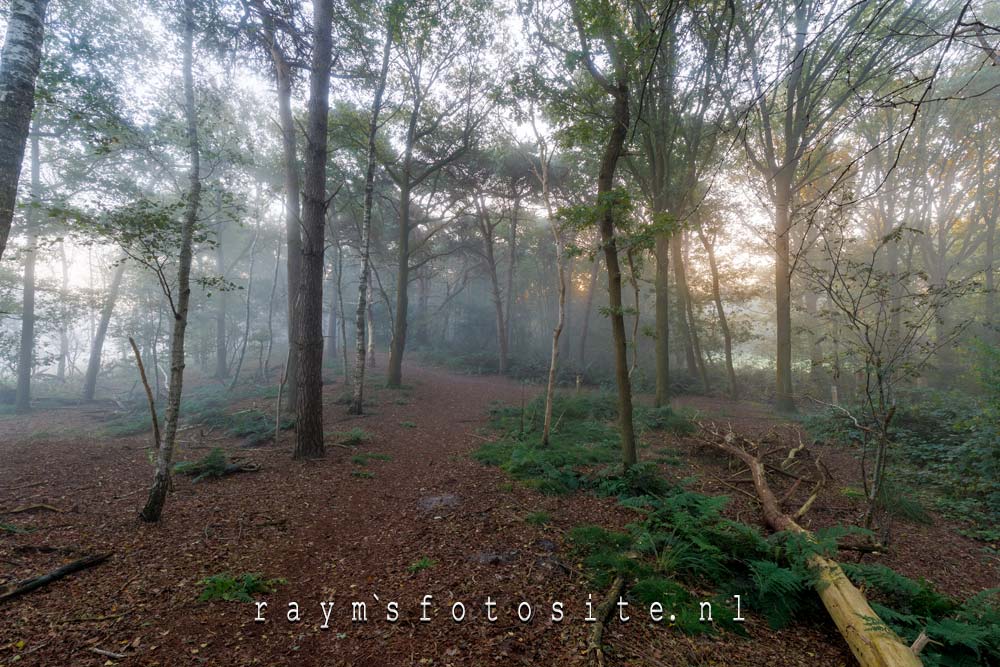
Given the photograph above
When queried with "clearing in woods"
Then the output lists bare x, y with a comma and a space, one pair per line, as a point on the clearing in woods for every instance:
394, 514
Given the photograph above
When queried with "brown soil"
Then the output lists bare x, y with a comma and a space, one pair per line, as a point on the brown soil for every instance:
336, 536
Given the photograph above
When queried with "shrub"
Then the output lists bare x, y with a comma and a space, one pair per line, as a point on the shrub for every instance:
421, 563
242, 588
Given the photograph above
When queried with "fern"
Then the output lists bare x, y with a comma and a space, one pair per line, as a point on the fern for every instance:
778, 591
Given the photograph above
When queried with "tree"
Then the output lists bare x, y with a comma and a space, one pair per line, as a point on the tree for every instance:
600, 20
391, 21
19, 64
26, 357
865, 300
808, 62
438, 46
541, 172
161, 480
276, 24
97, 345
309, 332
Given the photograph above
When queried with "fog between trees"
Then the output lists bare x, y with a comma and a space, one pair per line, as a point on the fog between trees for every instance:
793, 203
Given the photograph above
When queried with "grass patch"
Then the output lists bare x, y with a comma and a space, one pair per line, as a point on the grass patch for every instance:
353, 437
539, 518
408, 424
420, 564
242, 588
363, 459
363, 474
15, 530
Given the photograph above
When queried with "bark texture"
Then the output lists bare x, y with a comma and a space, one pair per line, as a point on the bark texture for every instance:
309, 338
360, 357
19, 63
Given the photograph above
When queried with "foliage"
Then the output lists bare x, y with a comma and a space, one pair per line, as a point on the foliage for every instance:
421, 563
681, 539
213, 464
539, 518
15, 530
363, 459
240, 588
964, 634
206, 407
353, 437
945, 442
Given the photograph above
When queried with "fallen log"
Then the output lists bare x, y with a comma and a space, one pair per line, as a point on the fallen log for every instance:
869, 638
29, 585
32, 508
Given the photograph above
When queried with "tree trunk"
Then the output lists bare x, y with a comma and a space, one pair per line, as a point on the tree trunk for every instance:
246, 324
587, 307
693, 326
309, 403
330, 348
486, 229
398, 344
26, 354
293, 234
265, 366
662, 320
423, 303
161, 481
221, 344
681, 292
63, 315
357, 403
340, 303
97, 346
19, 63
605, 185
511, 269
550, 388
727, 337
783, 294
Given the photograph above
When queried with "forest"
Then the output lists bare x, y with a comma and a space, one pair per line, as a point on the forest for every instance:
475, 332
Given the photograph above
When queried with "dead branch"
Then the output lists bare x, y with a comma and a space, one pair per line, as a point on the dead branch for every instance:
867, 636
595, 646
29, 585
107, 654
32, 508
149, 394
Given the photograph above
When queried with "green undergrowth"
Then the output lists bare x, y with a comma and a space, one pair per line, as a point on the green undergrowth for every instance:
583, 448
208, 408
681, 550
240, 588
213, 465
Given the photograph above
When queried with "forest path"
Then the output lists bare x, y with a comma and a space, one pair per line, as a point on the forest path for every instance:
405, 514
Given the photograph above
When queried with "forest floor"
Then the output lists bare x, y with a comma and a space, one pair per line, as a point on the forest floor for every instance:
406, 514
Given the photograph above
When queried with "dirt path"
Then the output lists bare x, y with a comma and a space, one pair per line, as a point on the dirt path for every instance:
337, 530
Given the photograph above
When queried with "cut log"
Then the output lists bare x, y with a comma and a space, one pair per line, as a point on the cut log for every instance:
869, 638
29, 585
